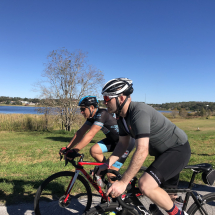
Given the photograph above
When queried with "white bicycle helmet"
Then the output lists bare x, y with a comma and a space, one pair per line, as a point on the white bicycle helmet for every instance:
115, 87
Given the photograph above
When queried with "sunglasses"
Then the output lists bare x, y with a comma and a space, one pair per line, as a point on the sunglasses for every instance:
82, 109
107, 98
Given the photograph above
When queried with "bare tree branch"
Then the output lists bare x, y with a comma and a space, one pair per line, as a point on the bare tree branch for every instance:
68, 78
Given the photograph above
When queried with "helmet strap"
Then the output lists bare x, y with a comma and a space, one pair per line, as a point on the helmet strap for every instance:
91, 113
119, 107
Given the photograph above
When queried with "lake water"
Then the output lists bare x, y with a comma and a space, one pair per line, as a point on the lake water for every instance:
17, 109
28, 110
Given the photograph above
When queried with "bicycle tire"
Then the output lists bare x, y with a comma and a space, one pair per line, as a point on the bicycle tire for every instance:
48, 199
209, 205
103, 208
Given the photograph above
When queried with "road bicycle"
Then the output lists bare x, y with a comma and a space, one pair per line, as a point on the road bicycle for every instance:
135, 203
69, 192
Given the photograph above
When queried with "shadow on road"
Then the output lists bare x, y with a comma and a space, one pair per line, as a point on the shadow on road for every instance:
20, 193
21, 199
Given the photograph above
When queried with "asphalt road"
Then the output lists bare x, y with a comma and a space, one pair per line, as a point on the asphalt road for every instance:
27, 209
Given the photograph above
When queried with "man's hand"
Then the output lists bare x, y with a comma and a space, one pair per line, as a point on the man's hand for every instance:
116, 189
63, 150
102, 168
71, 154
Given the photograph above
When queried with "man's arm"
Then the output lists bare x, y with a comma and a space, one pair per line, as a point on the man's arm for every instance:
119, 150
88, 137
78, 136
138, 158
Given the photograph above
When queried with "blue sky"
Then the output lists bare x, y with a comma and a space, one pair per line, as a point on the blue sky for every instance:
167, 47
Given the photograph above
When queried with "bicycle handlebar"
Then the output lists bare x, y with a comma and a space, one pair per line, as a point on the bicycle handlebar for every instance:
72, 161
119, 199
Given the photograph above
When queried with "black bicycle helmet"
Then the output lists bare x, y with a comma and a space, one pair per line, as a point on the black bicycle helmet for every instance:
88, 100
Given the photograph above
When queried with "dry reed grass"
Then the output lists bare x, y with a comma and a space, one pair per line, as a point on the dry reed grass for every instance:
26, 122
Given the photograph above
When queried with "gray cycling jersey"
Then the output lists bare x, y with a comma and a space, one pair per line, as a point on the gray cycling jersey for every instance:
144, 121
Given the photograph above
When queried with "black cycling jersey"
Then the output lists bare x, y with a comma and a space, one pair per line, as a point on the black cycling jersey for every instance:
107, 122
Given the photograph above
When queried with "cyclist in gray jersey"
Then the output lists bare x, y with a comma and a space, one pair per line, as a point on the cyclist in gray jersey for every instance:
155, 135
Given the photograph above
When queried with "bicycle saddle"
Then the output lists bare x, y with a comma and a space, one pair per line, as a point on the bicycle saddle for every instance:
200, 167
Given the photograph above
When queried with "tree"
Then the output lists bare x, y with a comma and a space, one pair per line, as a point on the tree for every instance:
208, 113
68, 77
183, 112
202, 112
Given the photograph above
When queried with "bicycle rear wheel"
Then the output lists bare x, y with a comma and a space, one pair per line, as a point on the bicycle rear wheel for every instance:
208, 205
103, 209
50, 195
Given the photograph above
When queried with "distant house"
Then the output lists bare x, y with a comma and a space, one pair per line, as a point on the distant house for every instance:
31, 103
24, 102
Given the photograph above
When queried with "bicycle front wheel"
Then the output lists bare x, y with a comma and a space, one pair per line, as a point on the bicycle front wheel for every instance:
208, 204
103, 209
50, 196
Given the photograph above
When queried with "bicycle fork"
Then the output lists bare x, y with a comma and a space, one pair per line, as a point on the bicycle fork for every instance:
69, 188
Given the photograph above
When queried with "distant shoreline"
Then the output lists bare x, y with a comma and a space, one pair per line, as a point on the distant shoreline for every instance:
21, 109
19, 105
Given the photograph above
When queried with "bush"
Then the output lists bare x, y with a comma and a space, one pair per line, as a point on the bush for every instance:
34, 122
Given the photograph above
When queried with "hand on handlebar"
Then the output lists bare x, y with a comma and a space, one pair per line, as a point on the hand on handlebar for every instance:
63, 150
71, 154
101, 168
116, 189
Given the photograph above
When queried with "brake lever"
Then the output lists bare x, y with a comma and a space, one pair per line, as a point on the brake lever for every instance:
66, 161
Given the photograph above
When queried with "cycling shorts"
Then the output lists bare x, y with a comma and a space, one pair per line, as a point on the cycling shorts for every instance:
166, 167
107, 146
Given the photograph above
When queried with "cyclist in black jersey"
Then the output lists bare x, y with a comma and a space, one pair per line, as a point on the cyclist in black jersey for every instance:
155, 135
97, 119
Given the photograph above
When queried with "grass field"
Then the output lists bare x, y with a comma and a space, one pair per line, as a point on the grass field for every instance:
27, 158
